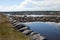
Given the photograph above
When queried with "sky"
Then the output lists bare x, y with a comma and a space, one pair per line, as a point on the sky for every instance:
29, 5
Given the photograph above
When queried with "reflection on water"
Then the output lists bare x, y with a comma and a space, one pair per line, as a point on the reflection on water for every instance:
51, 32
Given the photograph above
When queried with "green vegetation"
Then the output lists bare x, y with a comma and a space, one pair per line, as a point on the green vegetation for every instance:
7, 32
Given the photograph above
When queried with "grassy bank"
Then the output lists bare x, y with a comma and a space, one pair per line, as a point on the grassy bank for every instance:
7, 32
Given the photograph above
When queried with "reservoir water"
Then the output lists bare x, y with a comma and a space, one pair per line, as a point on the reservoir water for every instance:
49, 30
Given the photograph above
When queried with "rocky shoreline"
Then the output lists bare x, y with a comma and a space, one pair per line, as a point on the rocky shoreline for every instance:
42, 18
25, 30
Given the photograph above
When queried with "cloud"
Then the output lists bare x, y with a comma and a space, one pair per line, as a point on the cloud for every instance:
35, 6
15, 7
53, 23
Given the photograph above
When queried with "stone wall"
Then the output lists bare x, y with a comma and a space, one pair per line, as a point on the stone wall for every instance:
26, 30
43, 19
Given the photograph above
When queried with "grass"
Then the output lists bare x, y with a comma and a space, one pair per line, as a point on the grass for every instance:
7, 32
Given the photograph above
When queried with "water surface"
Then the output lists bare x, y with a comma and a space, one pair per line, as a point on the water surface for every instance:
50, 31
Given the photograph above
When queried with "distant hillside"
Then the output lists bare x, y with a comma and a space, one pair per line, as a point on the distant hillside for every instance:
7, 32
33, 13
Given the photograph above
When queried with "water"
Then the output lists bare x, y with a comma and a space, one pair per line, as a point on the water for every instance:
49, 30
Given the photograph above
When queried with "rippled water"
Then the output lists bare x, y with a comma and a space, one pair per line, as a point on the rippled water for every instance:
49, 30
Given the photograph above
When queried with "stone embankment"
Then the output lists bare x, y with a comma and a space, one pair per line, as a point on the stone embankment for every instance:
42, 18
26, 30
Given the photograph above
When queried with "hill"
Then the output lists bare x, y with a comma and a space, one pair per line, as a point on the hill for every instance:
33, 12
7, 32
